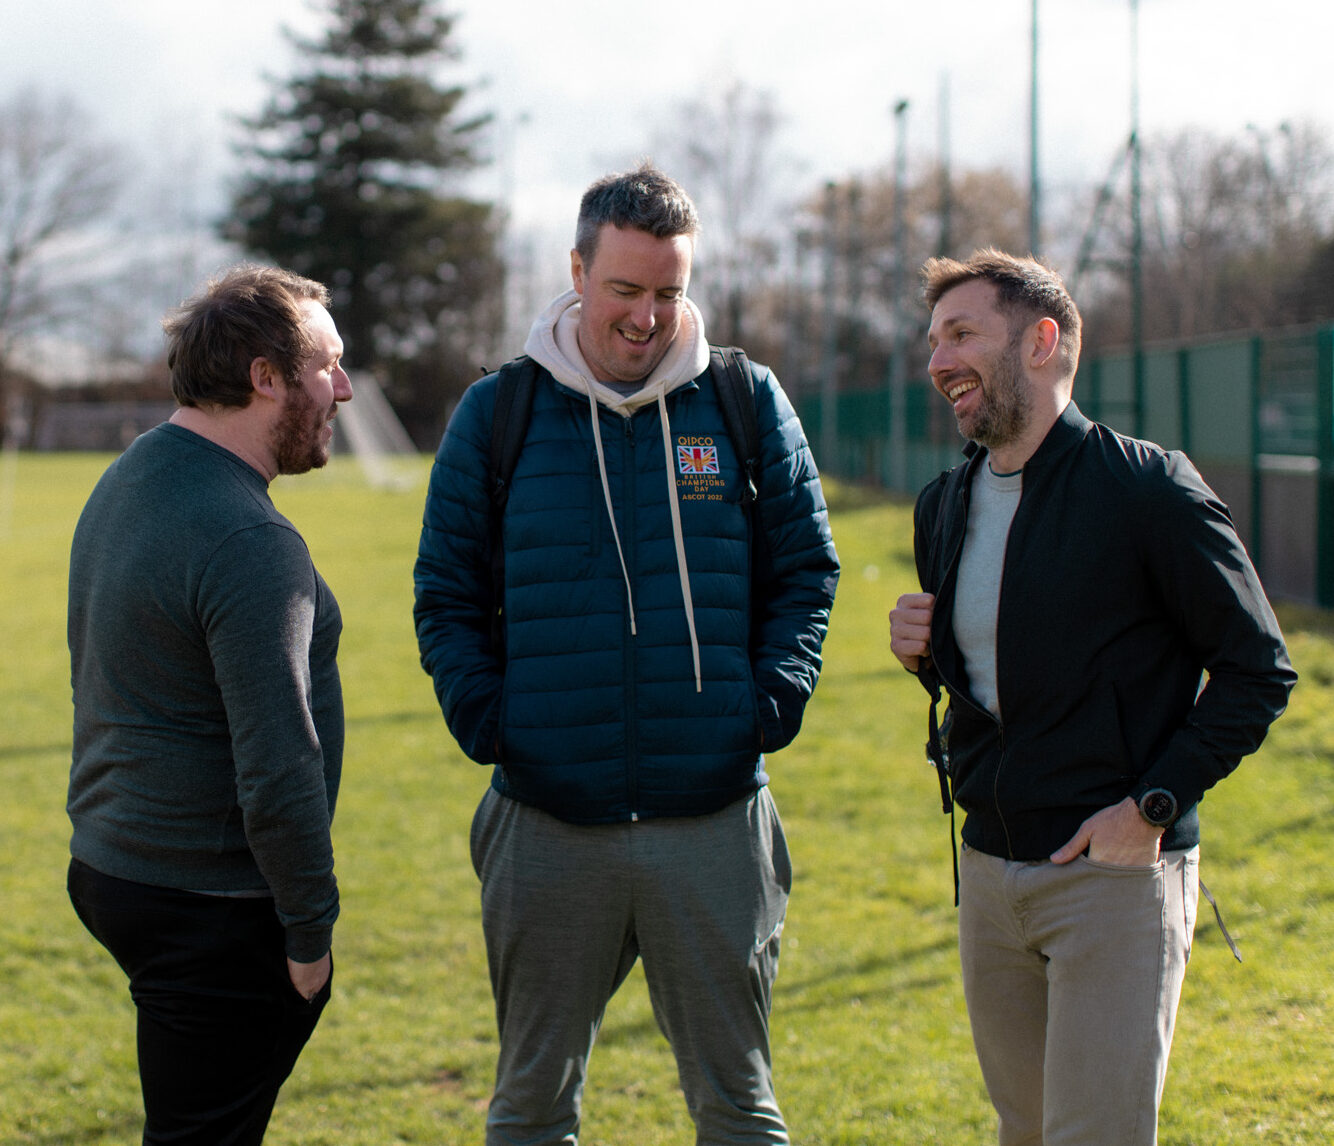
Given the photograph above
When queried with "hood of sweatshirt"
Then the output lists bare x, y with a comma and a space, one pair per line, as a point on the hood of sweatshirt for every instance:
553, 343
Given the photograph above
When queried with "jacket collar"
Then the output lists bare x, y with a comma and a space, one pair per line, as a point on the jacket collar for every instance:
1066, 433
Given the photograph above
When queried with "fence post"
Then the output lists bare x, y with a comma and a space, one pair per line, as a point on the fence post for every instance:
1324, 505
1253, 456
1183, 398
1093, 390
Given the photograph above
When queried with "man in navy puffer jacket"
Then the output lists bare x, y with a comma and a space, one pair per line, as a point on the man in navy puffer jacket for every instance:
652, 652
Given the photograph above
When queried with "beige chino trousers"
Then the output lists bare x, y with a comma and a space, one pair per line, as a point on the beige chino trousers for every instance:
1072, 974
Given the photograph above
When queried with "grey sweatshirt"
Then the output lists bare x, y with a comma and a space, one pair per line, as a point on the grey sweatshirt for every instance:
208, 713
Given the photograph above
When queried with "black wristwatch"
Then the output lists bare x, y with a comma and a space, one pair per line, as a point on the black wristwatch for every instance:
1157, 806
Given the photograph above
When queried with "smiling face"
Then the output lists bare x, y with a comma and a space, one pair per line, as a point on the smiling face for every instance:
632, 296
977, 365
304, 430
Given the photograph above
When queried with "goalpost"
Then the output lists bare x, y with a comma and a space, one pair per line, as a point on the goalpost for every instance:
374, 436
13, 431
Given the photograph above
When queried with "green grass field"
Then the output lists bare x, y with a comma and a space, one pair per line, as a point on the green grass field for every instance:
870, 1037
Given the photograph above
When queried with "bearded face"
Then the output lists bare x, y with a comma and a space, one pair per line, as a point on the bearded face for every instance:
304, 432
1002, 412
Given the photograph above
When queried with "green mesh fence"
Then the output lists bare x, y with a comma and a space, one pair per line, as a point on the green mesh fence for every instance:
1255, 414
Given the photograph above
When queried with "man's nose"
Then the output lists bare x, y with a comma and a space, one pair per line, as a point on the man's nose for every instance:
939, 363
643, 314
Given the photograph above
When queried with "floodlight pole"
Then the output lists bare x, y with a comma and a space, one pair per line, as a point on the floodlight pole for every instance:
898, 363
829, 372
946, 240
1034, 181
1136, 228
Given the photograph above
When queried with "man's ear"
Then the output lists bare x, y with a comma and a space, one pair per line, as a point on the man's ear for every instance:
577, 271
1046, 340
265, 377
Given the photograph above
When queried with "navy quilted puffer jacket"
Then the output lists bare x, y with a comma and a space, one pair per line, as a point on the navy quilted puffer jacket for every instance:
583, 718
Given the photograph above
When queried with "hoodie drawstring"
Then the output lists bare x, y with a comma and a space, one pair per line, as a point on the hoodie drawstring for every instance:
611, 512
553, 343
679, 537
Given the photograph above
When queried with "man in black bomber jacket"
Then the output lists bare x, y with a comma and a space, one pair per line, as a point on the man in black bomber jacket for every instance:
1077, 585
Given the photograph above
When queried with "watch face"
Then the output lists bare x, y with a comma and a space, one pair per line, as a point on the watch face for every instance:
1158, 807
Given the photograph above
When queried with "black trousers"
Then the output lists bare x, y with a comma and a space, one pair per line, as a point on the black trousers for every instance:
220, 1025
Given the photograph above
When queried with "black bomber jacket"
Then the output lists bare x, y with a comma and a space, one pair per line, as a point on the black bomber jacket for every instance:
1124, 582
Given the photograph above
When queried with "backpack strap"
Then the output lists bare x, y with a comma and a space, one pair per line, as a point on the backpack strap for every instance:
938, 757
938, 500
736, 395
732, 379
515, 384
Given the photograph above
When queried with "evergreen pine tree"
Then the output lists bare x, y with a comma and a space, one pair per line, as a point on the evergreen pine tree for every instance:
348, 171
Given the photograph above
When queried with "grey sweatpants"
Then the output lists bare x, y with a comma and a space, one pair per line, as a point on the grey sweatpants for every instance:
566, 911
1072, 974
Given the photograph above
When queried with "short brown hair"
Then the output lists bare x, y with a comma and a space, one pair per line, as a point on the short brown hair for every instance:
247, 312
1026, 290
644, 199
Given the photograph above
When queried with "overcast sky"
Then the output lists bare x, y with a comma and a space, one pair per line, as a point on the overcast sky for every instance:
591, 80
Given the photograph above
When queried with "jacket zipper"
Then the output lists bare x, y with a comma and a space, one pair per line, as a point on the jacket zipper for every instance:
630, 472
951, 567
1000, 724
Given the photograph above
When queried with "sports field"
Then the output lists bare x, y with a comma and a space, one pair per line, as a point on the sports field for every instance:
870, 1037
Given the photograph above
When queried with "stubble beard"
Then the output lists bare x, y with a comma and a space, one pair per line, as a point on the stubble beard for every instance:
1003, 413
298, 445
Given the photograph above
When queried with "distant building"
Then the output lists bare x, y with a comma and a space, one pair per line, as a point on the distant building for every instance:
64, 396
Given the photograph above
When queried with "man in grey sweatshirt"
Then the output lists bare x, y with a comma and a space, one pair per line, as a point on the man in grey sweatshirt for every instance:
208, 718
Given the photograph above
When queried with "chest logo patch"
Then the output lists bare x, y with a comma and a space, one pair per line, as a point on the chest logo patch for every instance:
697, 459
699, 475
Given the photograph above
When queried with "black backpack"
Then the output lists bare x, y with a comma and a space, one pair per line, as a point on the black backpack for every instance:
516, 382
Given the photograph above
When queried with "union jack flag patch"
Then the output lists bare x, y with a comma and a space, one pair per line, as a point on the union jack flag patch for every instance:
697, 459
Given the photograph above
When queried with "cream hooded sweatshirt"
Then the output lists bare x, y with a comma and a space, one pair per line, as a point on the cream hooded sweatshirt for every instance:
553, 343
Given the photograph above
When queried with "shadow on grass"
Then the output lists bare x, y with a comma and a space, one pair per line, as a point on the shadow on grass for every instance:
453, 1081
367, 720
881, 673
109, 1128
615, 1033
840, 982
15, 751
846, 981
1317, 821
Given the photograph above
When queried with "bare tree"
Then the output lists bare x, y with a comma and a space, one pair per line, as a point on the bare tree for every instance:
851, 224
1231, 224
722, 148
55, 179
